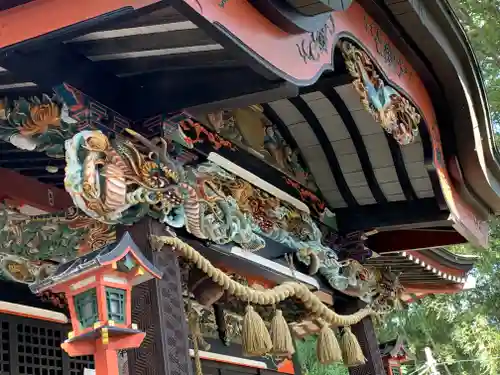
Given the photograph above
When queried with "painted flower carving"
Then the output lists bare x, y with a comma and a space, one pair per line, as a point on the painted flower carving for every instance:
41, 118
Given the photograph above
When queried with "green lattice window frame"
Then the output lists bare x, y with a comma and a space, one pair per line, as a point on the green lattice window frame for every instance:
115, 303
86, 308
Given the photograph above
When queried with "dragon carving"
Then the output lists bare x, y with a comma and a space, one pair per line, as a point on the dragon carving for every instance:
114, 181
118, 181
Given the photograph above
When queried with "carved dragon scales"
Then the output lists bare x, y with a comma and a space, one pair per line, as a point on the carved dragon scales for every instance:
120, 181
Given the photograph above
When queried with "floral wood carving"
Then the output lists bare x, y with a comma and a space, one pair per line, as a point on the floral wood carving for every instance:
23, 270
37, 124
51, 237
203, 134
387, 106
37, 240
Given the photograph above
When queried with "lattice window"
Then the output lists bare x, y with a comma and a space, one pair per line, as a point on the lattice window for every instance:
77, 364
33, 347
39, 350
115, 299
4, 349
86, 308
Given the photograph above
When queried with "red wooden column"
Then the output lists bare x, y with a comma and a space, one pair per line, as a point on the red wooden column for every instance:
105, 360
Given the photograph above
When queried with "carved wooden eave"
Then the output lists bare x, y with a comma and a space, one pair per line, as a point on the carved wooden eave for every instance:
115, 75
423, 270
364, 177
445, 59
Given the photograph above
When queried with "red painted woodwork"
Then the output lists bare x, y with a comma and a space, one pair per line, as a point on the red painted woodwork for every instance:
437, 265
279, 50
286, 367
18, 24
421, 289
104, 337
26, 190
69, 289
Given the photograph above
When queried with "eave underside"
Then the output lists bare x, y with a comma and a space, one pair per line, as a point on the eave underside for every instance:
161, 61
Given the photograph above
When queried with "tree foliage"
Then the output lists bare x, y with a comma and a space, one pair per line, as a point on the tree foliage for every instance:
306, 352
463, 329
481, 20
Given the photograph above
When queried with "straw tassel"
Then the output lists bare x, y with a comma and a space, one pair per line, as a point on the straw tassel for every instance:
256, 340
281, 336
327, 349
351, 350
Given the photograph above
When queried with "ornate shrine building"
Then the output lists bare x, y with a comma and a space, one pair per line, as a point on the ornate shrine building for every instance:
290, 168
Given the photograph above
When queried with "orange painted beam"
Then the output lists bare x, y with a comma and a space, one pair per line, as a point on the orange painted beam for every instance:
40, 17
27, 190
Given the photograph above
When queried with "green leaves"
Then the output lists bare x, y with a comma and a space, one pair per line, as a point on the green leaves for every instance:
480, 20
306, 351
462, 329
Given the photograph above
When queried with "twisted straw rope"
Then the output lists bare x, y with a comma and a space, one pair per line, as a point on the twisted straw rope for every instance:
261, 297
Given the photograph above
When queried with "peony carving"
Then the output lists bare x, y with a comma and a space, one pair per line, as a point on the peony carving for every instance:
41, 118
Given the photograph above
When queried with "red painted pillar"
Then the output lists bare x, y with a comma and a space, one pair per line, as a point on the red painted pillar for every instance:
106, 360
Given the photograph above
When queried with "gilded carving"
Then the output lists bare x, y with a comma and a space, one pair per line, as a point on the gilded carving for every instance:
37, 240
202, 134
23, 270
387, 106
121, 180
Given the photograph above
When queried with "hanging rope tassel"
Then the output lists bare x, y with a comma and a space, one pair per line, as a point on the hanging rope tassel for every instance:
327, 347
194, 327
351, 350
280, 336
255, 337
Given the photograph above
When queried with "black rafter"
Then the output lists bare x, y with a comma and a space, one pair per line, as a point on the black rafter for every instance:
202, 88
166, 39
327, 148
339, 77
391, 214
357, 140
7, 4
399, 165
180, 63
47, 62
